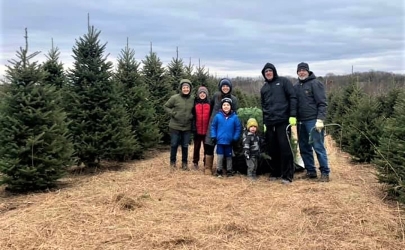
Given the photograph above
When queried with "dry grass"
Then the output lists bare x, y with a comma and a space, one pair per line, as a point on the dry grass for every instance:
145, 206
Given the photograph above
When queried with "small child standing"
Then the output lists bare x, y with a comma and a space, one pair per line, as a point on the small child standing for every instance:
225, 129
251, 148
201, 112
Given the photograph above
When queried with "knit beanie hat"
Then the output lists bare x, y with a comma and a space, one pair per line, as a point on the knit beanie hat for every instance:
225, 81
226, 99
303, 66
185, 83
252, 122
202, 89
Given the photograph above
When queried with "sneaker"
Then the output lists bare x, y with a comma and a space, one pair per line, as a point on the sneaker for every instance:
285, 182
219, 173
324, 178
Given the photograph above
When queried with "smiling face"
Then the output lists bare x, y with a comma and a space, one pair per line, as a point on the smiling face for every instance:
202, 95
185, 89
303, 74
226, 107
225, 89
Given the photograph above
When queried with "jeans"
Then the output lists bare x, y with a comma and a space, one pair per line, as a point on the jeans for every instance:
310, 139
177, 138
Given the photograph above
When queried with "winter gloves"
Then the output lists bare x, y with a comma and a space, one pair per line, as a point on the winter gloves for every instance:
292, 121
319, 125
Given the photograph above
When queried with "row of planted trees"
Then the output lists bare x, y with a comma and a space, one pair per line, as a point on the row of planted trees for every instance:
372, 130
51, 119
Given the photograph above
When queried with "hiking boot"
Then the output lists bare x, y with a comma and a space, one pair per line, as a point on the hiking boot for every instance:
172, 166
185, 167
324, 178
271, 178
310, 176
195, 165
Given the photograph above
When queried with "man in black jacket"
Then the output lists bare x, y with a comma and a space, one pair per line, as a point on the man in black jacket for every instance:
311, 114
279, 105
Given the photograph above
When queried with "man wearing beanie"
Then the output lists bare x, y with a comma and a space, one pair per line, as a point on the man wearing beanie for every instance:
279, 106
224, 91
179, 107
201, 113
311, 113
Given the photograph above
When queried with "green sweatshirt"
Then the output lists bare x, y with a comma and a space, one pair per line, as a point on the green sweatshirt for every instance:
179, 107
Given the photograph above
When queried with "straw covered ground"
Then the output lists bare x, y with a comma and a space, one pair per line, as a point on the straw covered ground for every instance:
144, 206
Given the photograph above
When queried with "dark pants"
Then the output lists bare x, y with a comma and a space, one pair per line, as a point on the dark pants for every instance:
198, 140
177, 138
209, 149
282, 163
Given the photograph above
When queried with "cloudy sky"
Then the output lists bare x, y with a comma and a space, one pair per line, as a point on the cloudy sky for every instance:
230, 37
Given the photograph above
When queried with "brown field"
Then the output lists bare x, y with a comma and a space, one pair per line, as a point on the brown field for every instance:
145, 206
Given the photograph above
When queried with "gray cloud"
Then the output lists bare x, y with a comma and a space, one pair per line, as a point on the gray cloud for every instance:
231, 37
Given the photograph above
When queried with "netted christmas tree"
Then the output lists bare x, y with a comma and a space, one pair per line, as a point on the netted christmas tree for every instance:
100, 124
137, 101
35, 149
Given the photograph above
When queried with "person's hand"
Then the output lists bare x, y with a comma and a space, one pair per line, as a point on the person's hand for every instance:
292, 121
247, 155
319, 125
214, 140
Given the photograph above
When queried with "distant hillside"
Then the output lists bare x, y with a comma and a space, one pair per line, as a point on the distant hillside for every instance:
373, 82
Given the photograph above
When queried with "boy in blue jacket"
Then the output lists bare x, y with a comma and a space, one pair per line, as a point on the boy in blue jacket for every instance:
225, 129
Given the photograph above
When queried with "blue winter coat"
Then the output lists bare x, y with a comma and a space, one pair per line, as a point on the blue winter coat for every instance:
226, 128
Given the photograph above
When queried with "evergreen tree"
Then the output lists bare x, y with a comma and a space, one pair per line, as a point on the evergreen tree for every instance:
243, 101
137, 101
176, 71
387, 102
100, 124
35, 149
56, 75
347, 101
160, 90
364, 130
189, 71
201, 76
391, 157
